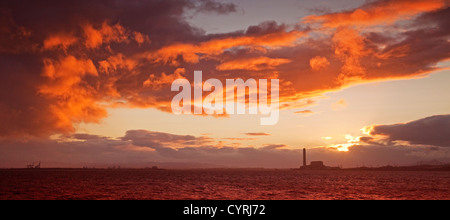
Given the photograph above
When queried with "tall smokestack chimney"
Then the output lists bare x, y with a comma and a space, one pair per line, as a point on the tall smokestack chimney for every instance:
304, 157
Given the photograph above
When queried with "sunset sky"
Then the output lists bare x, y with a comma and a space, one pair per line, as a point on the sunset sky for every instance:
88, 83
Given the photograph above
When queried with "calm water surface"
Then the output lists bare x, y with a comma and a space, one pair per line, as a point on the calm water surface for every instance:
222, 184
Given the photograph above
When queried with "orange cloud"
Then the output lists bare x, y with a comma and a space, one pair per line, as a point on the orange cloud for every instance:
95, 36
119, 61
396, 52
105, 34
306, 112
319, 63
141, 38
65, 73
62, 41
192, 53
349, 47
157, 82
71, 101
379, 12
257, 134
253, 64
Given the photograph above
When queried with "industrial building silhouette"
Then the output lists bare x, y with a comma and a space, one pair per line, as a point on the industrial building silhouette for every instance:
315, 165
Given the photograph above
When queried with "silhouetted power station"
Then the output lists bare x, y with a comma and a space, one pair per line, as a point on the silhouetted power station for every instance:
304, 157
315, 165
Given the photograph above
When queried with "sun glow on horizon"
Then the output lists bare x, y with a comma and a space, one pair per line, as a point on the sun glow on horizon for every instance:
351, 141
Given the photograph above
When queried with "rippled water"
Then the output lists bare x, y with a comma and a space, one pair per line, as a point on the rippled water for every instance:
222, 184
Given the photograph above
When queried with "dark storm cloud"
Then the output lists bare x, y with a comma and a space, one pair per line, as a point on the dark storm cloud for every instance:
432, 131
